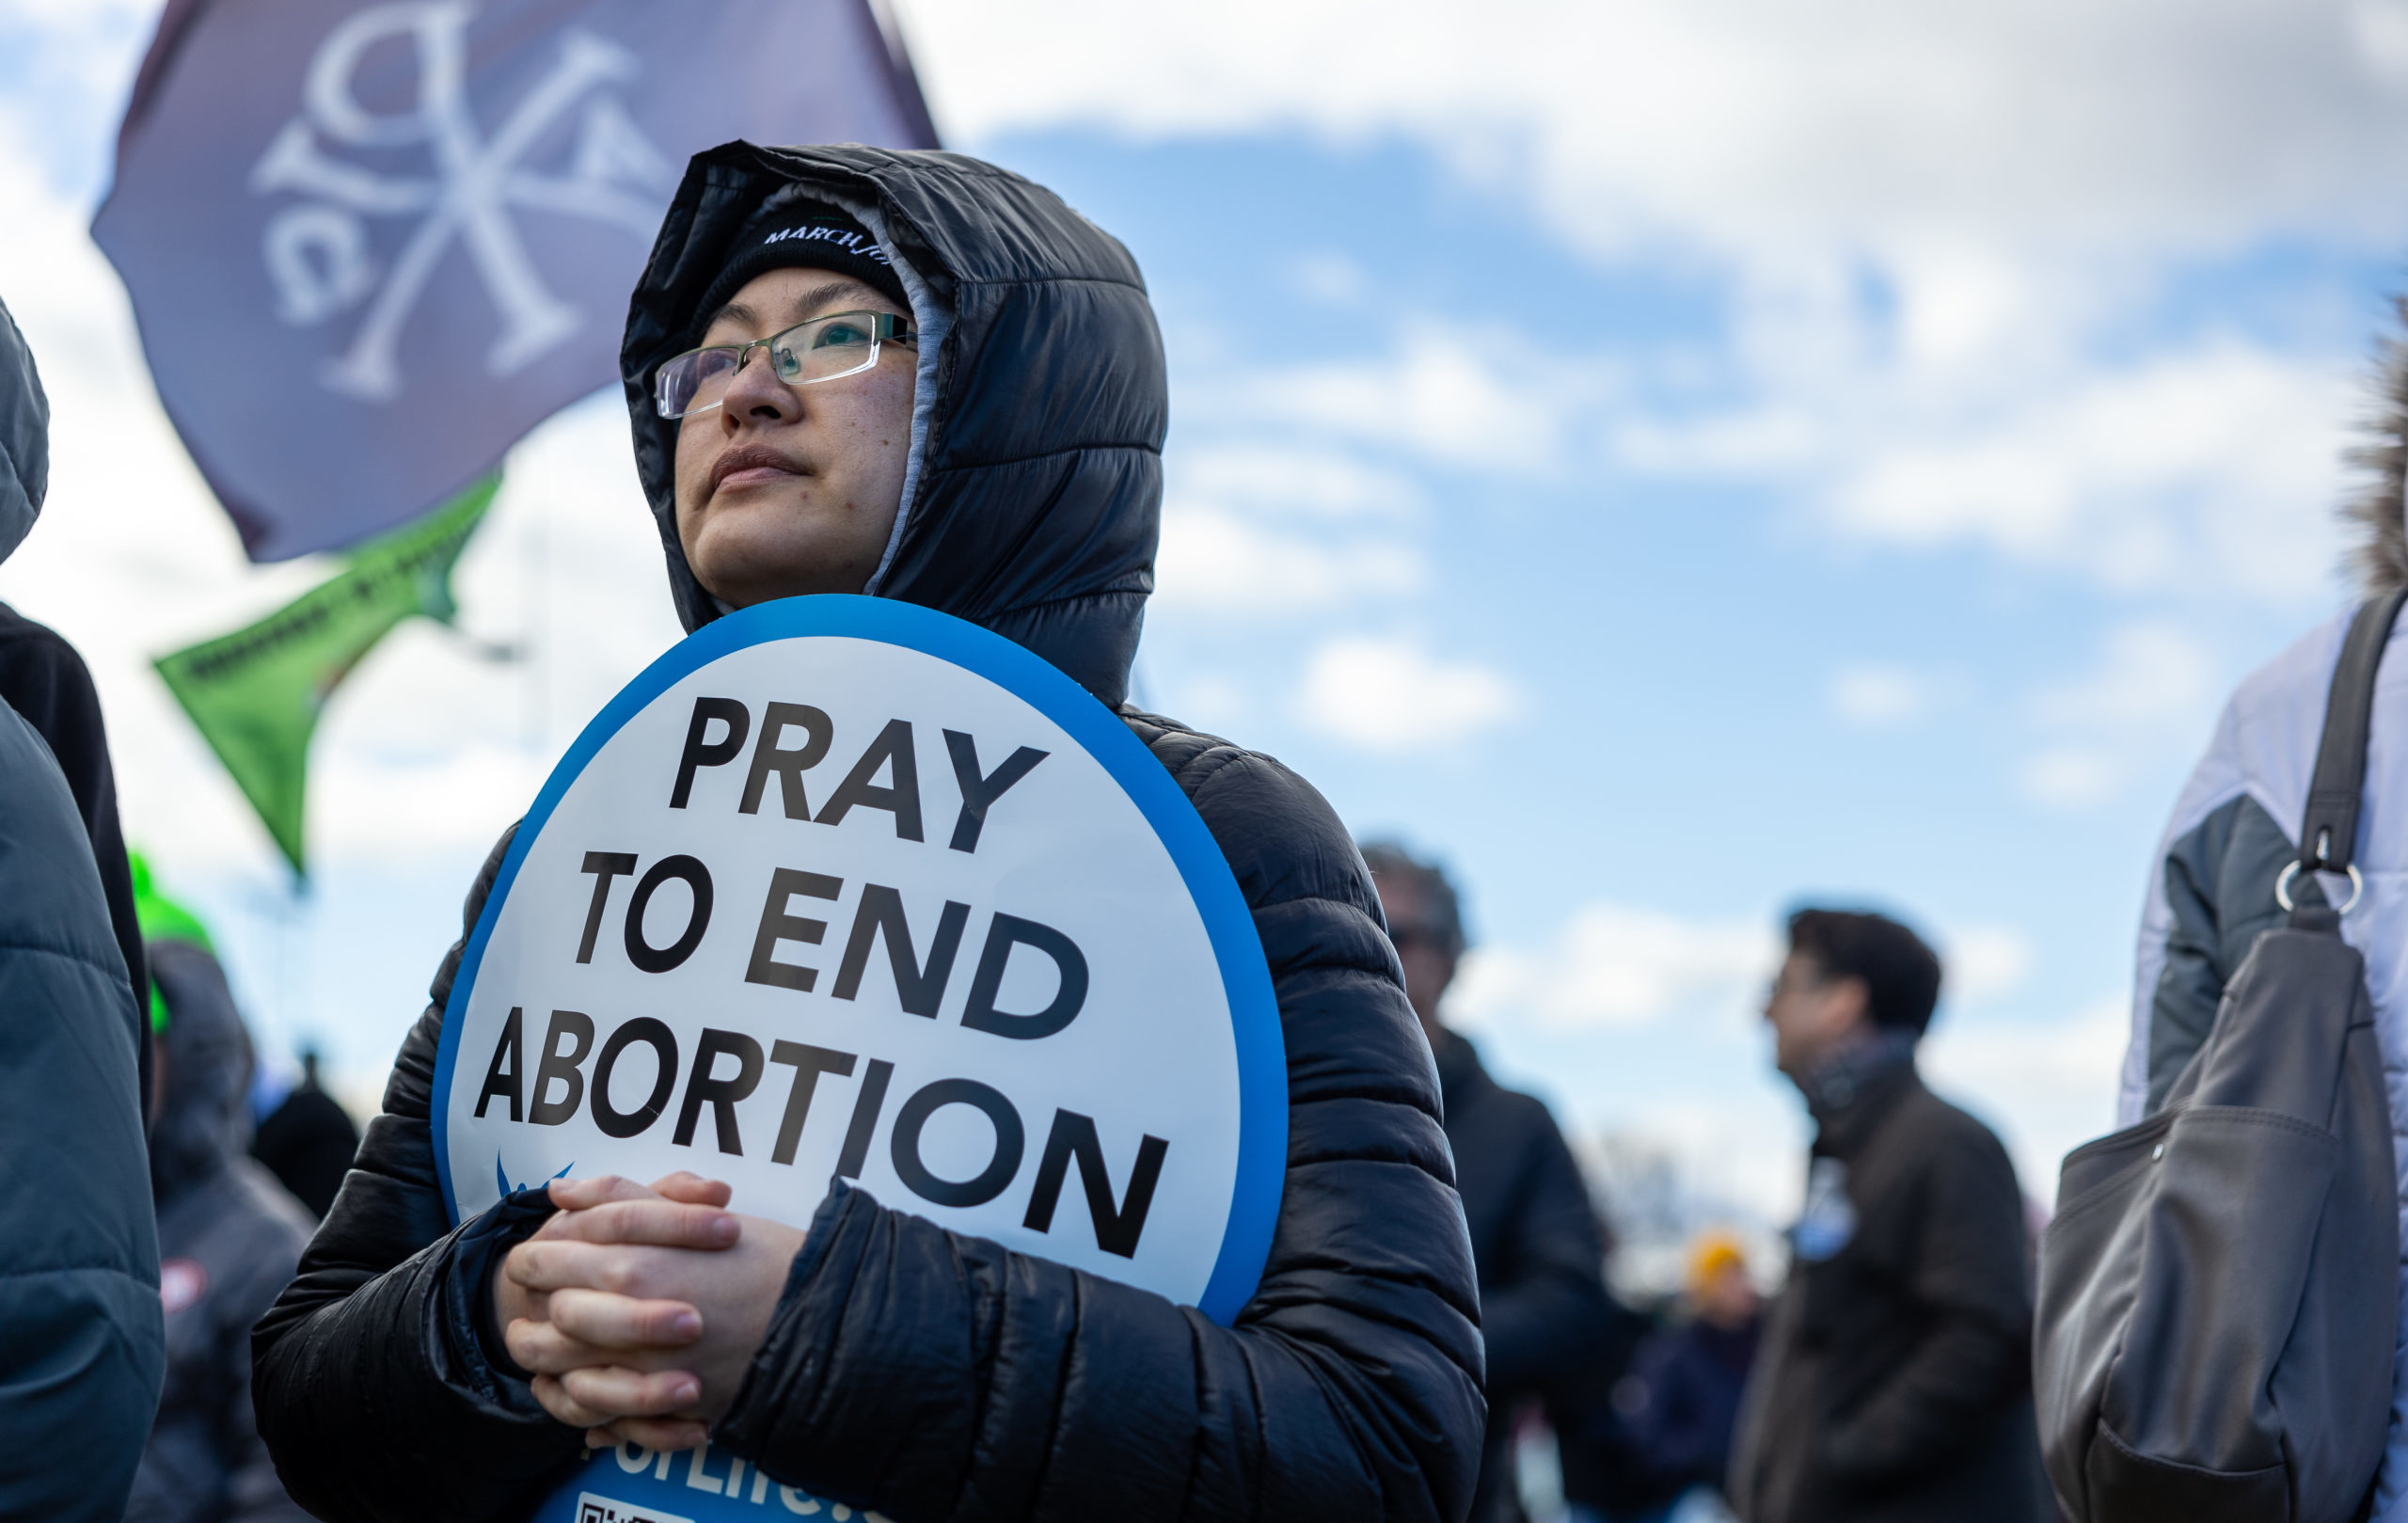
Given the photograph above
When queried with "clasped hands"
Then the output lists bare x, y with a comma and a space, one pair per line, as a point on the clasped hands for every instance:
639, 1308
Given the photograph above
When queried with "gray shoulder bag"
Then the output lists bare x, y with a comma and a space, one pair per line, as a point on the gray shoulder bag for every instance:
2220, 1291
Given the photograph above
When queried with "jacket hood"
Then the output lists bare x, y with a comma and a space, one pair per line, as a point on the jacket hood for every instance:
1033, 496
205, 1062
24, 437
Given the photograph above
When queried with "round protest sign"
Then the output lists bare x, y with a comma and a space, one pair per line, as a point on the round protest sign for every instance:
840, 887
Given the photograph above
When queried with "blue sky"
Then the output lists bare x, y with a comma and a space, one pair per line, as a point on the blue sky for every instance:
1671, 460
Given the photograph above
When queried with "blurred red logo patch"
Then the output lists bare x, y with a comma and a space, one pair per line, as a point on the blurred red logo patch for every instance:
180, 1282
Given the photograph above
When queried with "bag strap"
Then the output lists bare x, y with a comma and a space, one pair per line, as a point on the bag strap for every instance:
2328, 837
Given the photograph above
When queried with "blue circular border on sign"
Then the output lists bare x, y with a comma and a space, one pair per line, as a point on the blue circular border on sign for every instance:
1254, 1009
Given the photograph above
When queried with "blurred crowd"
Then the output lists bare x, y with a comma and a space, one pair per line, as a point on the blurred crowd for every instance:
1891, 1379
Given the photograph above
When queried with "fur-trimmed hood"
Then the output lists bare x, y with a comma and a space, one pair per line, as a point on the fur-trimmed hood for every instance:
2379, 510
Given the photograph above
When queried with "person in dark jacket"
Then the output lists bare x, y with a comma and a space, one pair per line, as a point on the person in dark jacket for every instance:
890, 1364
229, 1236
1535, 1240
1894, 1378
307, 1140
1680, 1402
81, 1345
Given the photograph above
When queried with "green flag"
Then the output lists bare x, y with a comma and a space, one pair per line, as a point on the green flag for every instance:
255, 694
162, 919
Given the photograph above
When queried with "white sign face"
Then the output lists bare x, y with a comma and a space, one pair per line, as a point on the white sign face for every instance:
842, 887
845, 888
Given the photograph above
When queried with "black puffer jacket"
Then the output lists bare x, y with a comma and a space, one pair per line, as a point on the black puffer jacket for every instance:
929, 1375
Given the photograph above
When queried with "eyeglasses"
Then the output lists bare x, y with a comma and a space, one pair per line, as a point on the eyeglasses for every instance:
824, 349
1806, 982
1403, 936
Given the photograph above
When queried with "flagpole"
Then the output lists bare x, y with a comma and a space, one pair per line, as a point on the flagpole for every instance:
534, 568
282, 904
298, 1024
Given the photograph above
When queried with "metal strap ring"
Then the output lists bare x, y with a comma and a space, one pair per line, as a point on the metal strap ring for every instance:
2283, 886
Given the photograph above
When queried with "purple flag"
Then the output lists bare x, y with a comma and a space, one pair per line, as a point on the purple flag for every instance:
369, 246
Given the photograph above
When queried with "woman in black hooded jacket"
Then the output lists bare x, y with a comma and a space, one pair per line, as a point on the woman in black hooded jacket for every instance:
907, 1369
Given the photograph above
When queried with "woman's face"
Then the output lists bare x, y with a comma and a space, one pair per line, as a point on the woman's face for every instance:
784, 489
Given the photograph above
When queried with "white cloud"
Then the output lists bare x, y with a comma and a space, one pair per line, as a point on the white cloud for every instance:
2048, 1086
1213, 702
1220, 562
1744, 124
2072, 777
1984, 963
1624, 966
1618, 965
1257, 527
1615, 965
2207, 468
1496, 403
2148, 696
1393, 695
1329, 276
75, 58
2204, 469
2150, 671
1879, 696
111, 16
1292, 480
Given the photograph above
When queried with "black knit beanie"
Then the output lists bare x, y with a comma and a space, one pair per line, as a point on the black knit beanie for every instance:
809, 234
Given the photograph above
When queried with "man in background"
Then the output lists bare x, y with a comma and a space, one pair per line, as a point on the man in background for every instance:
1894, 1377
1535, 1242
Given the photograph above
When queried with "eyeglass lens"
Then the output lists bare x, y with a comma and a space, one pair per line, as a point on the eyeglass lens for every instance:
822, 349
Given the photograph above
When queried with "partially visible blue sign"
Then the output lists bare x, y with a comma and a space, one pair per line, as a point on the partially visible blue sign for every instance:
840, 887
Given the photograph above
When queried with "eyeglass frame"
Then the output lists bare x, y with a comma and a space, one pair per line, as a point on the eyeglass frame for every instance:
1439, 938
883, 327
1808, 983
